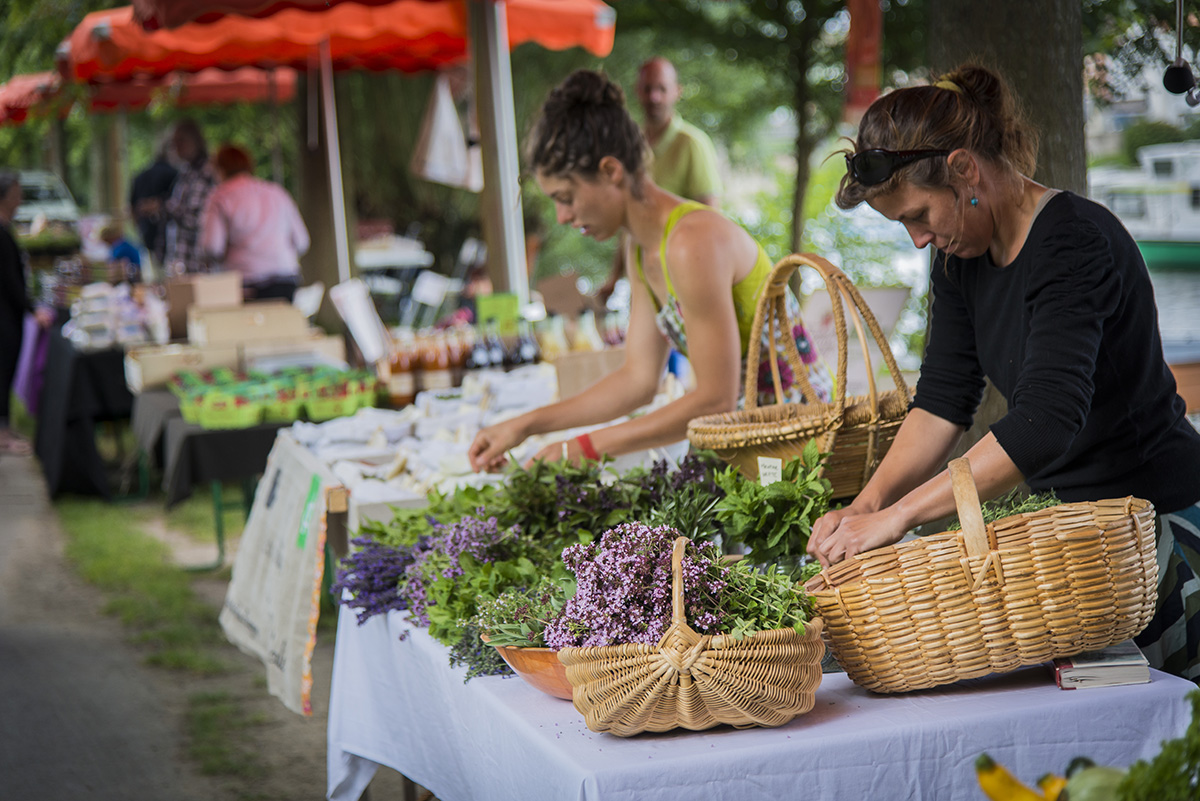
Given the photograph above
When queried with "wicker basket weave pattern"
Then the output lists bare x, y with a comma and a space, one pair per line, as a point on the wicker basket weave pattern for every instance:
694, 681
856, 431
1044, 584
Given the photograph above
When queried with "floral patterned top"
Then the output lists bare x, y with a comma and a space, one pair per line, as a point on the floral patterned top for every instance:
669, 316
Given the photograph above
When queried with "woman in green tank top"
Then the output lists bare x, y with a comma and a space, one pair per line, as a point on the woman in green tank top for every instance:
699, 277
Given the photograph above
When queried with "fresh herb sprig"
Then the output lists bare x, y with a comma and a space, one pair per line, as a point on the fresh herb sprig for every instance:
1015, 502
479, 658
519, 615
1172, 775
761, 601
775, 521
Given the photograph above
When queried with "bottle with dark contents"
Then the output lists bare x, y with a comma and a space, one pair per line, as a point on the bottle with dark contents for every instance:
495, 346
527, 345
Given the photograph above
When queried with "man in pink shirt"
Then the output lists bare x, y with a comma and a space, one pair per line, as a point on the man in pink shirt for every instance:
252, 226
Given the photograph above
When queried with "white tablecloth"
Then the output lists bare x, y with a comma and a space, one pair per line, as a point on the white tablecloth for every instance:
398, 703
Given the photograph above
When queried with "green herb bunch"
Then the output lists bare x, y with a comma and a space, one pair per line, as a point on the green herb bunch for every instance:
756, 600
518, 616
775, 521
1172, 775
1015, 502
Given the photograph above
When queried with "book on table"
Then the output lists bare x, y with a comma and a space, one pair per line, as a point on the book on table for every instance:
1122, 663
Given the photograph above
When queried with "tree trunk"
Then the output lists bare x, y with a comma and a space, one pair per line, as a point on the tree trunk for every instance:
1038, 46
799, 62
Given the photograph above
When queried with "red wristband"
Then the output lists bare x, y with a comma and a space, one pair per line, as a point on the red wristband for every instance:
589, 450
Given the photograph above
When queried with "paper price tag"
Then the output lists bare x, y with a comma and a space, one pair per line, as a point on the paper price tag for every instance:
770, 470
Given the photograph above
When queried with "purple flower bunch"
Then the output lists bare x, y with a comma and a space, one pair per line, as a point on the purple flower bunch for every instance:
624, 588
372, 575
478, 538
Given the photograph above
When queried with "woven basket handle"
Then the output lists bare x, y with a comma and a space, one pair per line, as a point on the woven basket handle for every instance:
772, 313
678, 611
966, 498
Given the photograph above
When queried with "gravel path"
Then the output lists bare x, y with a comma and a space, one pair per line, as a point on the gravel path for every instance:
81, 716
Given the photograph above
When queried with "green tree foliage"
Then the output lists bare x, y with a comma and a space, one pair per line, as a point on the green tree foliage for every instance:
1148, 132
1125, 36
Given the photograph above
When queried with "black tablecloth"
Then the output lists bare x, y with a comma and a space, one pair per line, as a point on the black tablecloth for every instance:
195, 455
188, 454
78, 390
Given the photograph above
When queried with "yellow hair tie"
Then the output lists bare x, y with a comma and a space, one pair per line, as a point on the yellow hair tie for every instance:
948, 84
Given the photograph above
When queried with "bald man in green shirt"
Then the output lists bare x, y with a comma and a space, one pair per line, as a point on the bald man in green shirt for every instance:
685, 161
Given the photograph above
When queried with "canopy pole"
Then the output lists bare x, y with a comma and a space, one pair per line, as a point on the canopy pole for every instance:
487, 33
276, 146
334, 152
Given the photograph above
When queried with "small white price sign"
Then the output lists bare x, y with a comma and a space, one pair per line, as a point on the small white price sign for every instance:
770, 470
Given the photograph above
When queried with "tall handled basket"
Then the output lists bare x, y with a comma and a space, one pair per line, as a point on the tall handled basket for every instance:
696, 681
855, 431
989, 599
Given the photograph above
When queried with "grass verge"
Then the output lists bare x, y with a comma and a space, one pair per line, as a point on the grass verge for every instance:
210, 719
147, 593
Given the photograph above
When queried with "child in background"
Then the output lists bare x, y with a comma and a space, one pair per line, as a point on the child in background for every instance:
122, 250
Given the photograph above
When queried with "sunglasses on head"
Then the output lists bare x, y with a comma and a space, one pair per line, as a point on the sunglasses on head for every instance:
872, 167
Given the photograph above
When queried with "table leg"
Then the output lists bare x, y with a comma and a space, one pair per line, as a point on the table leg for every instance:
219, 522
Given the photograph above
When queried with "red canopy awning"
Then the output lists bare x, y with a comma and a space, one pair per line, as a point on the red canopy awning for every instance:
212, 87
43, 93
408, 35
155, 14
24, 93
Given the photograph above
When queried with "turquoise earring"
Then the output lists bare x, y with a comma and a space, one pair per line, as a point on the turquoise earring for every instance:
974, 201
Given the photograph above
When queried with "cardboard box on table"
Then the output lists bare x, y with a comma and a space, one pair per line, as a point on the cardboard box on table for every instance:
579, 370
328, 348
261, 321
151, 366
205, 291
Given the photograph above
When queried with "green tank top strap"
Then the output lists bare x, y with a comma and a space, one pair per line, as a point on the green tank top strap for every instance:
677, 213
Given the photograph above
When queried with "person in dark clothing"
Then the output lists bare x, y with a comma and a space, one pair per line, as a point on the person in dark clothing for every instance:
148, 192
1046, 294
14, 304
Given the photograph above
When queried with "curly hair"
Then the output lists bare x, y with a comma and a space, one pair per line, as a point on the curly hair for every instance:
583, 120
971, 107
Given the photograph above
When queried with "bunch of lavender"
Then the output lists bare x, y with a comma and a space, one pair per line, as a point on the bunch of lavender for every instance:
448, 554
624, 588
371, 575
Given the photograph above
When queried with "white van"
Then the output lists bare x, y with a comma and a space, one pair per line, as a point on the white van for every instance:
45, 200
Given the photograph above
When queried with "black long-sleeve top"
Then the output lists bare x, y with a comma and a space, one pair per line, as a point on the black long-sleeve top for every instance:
14, 299
1068, 333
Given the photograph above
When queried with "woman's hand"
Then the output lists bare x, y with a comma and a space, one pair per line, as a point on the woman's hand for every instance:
843, 533
565, 451
44, 316
487, 451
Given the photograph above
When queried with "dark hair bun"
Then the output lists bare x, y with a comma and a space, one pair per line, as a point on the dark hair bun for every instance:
585, 89
583, 120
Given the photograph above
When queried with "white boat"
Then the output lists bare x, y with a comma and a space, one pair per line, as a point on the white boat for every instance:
1159, 202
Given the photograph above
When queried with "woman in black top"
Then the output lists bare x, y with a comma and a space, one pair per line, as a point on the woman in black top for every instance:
14, 304
1046, 294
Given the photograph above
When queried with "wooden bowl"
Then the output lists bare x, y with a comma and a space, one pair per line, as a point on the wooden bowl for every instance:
538, 666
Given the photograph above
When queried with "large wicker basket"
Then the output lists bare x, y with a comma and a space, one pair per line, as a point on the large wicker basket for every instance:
989, 599
855, 431
693, 681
